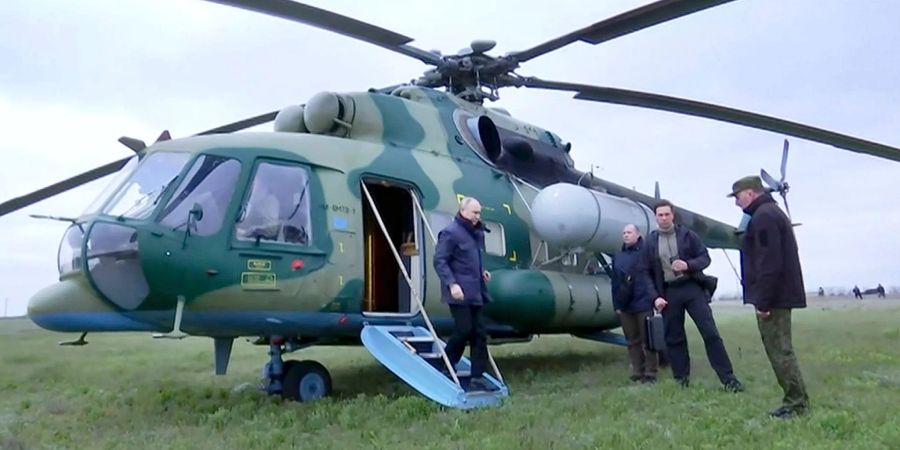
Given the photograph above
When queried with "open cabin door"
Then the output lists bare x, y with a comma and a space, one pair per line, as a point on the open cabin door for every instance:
386, 291
415, 354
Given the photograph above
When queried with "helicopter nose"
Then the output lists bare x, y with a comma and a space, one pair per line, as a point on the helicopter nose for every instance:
71, 305
48, 300
54, 306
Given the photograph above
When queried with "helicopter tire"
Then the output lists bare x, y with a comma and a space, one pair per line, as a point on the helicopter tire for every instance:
305, 381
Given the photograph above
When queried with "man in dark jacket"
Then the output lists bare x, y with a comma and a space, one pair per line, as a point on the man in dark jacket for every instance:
773, 284
458, 263
633, 304
676, 258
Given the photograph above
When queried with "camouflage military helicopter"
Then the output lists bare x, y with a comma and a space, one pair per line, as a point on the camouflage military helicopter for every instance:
320, 232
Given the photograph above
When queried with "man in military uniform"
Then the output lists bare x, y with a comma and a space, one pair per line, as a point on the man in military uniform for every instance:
773, 284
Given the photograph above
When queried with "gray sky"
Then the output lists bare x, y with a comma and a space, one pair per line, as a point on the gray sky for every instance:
77, 75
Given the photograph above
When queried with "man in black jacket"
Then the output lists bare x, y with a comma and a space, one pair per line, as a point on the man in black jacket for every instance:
773, 284
458, 263
675, 259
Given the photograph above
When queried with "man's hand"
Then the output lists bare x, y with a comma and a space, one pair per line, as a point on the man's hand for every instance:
660, 303
619, 312
487, 276
679, 265
456, 292
763, 314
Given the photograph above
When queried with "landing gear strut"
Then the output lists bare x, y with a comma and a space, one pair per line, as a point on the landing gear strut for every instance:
300, 381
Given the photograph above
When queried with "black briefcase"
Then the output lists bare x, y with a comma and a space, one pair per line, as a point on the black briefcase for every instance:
656, 332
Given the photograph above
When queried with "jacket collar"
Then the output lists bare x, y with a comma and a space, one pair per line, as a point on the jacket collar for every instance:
676, 228
467, 224
761, 200
636, 246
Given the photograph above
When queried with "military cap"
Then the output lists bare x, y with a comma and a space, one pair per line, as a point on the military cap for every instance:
748, 182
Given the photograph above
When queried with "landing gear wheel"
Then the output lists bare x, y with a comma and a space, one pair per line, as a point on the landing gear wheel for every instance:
305, 381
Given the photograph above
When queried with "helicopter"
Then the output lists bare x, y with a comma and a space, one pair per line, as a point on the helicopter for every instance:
176, 246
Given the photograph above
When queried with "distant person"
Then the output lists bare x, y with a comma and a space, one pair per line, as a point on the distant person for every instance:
458, 263
857, 293
632, 302
821, 292
880, 289
676, 258
773, 284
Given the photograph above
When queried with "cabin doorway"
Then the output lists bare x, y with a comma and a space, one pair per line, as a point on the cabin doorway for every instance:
386, 291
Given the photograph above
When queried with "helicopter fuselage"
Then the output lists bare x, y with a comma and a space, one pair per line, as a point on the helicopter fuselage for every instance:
133, 263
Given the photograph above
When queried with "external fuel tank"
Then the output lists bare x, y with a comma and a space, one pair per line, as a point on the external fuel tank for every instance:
543, 301
575, 218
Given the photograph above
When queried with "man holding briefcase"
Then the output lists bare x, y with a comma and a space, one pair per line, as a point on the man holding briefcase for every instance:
631, 299
675, 259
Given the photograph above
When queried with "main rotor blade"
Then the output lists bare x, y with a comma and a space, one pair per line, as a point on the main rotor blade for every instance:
242, 124
622, 24
327, 20
715, 112
58, 188
106, 169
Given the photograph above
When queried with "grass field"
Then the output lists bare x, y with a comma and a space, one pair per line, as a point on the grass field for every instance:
130, 391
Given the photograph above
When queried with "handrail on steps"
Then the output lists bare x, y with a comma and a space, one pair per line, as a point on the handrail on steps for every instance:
413, 290
434, 240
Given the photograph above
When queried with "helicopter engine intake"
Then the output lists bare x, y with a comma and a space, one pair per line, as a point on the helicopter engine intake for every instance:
575, 218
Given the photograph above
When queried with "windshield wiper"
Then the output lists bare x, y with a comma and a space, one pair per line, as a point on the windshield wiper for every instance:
138, 203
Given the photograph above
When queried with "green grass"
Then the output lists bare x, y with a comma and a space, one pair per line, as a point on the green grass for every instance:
130, 391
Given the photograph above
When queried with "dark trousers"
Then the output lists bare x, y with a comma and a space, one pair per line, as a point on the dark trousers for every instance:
644, 362
776, 336
468, 327
691, 298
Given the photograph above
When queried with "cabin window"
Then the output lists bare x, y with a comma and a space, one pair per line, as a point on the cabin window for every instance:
209, 185
277, 208
494, 241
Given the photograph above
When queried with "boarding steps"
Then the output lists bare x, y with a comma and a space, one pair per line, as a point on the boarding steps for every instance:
416, 354
413, 354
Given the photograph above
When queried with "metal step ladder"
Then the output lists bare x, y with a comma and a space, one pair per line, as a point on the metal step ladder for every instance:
414, 355
417, 354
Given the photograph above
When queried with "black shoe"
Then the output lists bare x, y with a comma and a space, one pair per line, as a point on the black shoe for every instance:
683, 382
635, 378
783, 413
786, 412
733, 385
648, 380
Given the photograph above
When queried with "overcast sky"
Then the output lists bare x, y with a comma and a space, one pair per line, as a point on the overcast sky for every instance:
74, 76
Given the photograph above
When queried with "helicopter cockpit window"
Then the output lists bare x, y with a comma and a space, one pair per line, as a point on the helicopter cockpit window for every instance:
138, 196
210, 185
114, 183
277, 209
